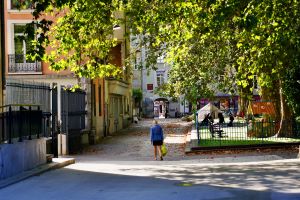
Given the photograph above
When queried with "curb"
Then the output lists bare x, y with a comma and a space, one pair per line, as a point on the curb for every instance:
190, 142
55, 164
191, 146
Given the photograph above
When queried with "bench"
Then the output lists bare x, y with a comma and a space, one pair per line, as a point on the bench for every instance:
216, 128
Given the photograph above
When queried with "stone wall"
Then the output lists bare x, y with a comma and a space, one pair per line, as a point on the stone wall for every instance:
21, 156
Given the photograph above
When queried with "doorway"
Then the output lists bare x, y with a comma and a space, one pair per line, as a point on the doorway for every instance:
161, 108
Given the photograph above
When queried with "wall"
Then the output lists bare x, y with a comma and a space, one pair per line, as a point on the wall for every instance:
23, 16
97, 109
21, 156
2, 50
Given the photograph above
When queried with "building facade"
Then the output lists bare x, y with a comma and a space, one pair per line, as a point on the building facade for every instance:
108, 100
229, 103
148, 80
112, 97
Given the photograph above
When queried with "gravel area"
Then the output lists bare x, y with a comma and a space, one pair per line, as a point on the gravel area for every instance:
133, 144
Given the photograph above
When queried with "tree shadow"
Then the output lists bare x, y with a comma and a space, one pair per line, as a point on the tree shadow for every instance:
261, 181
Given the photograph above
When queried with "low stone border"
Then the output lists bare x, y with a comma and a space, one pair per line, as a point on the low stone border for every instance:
192, 146
55, 164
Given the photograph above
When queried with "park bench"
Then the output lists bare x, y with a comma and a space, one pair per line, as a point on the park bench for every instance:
216, 129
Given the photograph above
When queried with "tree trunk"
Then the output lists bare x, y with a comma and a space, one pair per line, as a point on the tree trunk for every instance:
285, 125
244, 100
271, 94
282, 121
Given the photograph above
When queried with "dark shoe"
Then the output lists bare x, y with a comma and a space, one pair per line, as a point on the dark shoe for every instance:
161, 158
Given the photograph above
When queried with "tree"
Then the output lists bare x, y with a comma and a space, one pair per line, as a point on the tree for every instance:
202, 40
81, 37
251, 38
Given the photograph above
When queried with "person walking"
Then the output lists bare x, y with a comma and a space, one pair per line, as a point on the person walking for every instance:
157, 138
221, 118
231, 118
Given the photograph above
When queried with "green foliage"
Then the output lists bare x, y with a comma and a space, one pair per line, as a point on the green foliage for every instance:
237, 39
137, 94
291, 87
201, 40
81, 38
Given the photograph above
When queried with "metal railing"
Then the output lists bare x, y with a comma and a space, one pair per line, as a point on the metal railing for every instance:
17, 5
247, 133
17, 63
20, 122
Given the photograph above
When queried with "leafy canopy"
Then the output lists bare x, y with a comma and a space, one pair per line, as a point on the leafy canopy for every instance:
211, 45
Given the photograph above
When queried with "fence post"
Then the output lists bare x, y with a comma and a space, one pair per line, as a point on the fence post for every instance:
2, 128
54, 137
30, 124
40, 120
20, 125
197, 127
9, 124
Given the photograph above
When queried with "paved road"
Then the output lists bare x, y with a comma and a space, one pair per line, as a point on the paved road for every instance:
133, 144
122, 167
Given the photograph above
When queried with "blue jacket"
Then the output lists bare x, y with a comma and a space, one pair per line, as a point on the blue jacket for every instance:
156, 133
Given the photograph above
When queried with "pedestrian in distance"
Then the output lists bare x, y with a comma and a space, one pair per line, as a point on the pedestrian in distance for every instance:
205, 121
221, 118
157, 139
231, 118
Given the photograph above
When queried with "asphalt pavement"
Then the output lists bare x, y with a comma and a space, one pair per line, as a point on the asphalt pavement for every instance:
122, 167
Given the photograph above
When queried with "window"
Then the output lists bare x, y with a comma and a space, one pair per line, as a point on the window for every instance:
160, 59
160, 78
149, 86
21, 4
22, 42
138, 60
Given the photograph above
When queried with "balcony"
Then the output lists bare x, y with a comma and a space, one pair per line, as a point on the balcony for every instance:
21, 5
17, 63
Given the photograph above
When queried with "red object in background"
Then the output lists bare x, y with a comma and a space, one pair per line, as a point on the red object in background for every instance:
149, 86
263, 108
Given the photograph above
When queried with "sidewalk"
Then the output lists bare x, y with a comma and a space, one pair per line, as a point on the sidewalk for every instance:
55, 164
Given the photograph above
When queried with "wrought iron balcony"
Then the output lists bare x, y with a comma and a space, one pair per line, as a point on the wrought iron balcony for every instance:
21, 4
17, 63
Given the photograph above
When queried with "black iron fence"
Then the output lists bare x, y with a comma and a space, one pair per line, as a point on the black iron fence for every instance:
18, 63
72, 116
247, 132
20, 122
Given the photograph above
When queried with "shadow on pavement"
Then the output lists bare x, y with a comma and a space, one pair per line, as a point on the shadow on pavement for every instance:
271, 181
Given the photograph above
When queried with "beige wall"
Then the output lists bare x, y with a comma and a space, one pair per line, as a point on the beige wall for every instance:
98, 110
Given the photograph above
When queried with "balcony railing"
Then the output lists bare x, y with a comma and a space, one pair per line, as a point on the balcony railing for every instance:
17, 63
21, 5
